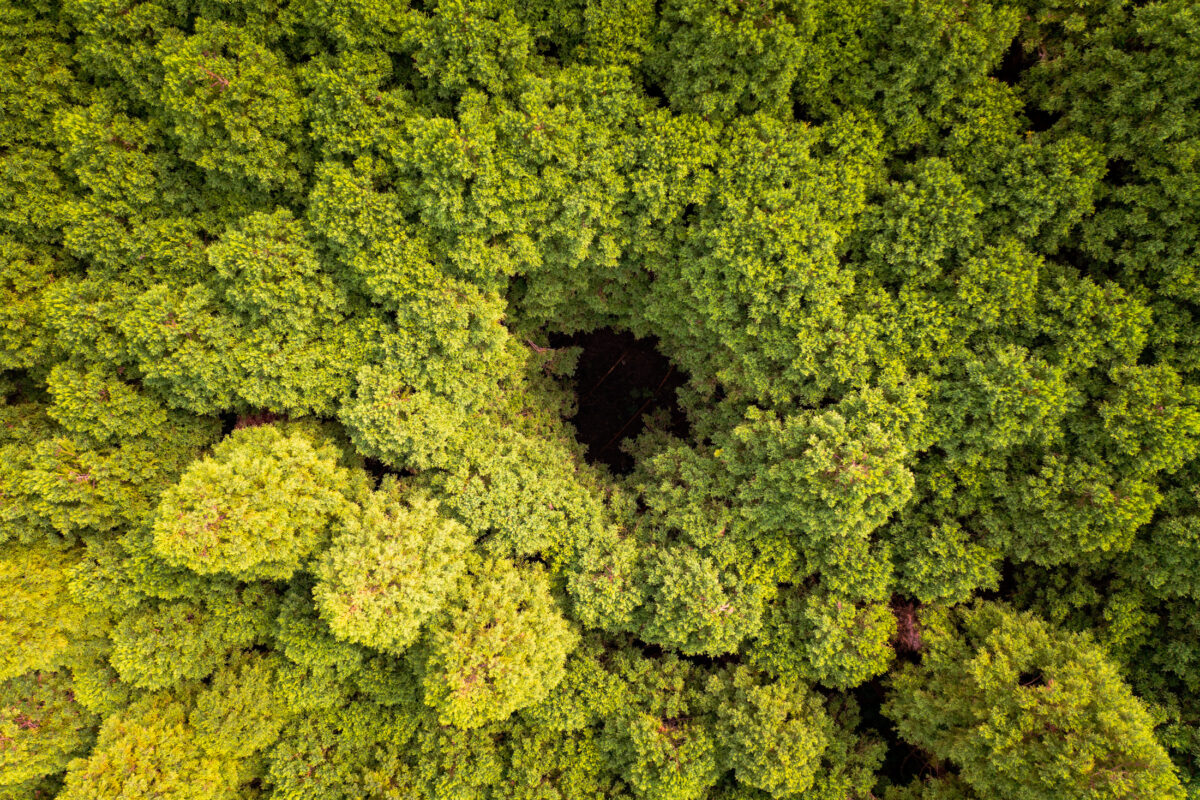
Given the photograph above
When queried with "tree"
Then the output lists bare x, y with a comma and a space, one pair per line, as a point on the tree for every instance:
904, 62
64, 481
777, 737
499, 645
774, 735
351, 751
204, 358
256, 508
755, 276
270, 273
466, 43
24, 329
659, 733
239, 714
319, 671
718, 59
42, 628
232, 104
390, 570
563, 766
150, 748
99, 405
668, 758
1134, 63
695, 608
158, 645
1025, 711
826, 639
940, 788
42, 729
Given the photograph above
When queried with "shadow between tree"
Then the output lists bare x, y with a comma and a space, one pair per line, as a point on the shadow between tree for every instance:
620, 381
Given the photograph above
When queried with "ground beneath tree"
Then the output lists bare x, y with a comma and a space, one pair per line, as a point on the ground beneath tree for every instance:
1012, 67
621, 380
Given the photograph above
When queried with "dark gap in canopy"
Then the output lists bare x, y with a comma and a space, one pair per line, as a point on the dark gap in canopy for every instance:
902, 762
1031, 678
620, 381
1013, 63
1011, 69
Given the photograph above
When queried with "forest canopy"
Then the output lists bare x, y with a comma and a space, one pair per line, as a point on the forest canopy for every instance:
581, 399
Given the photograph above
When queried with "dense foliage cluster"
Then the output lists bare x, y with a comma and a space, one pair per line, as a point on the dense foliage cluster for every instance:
291, 504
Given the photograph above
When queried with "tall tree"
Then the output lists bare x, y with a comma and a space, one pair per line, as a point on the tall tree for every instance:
499, 645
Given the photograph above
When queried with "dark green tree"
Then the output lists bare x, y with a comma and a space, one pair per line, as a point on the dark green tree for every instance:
1024, 711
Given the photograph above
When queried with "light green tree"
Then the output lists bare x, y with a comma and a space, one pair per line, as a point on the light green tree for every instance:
146, 749
42, 729
499, 645
390, 569
257, 507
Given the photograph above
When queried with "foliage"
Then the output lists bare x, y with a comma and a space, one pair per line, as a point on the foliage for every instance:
390, 570
160, 644
147, 748
500, 645
304, 492
41, 726
256, 507
1027, 712
775, 735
